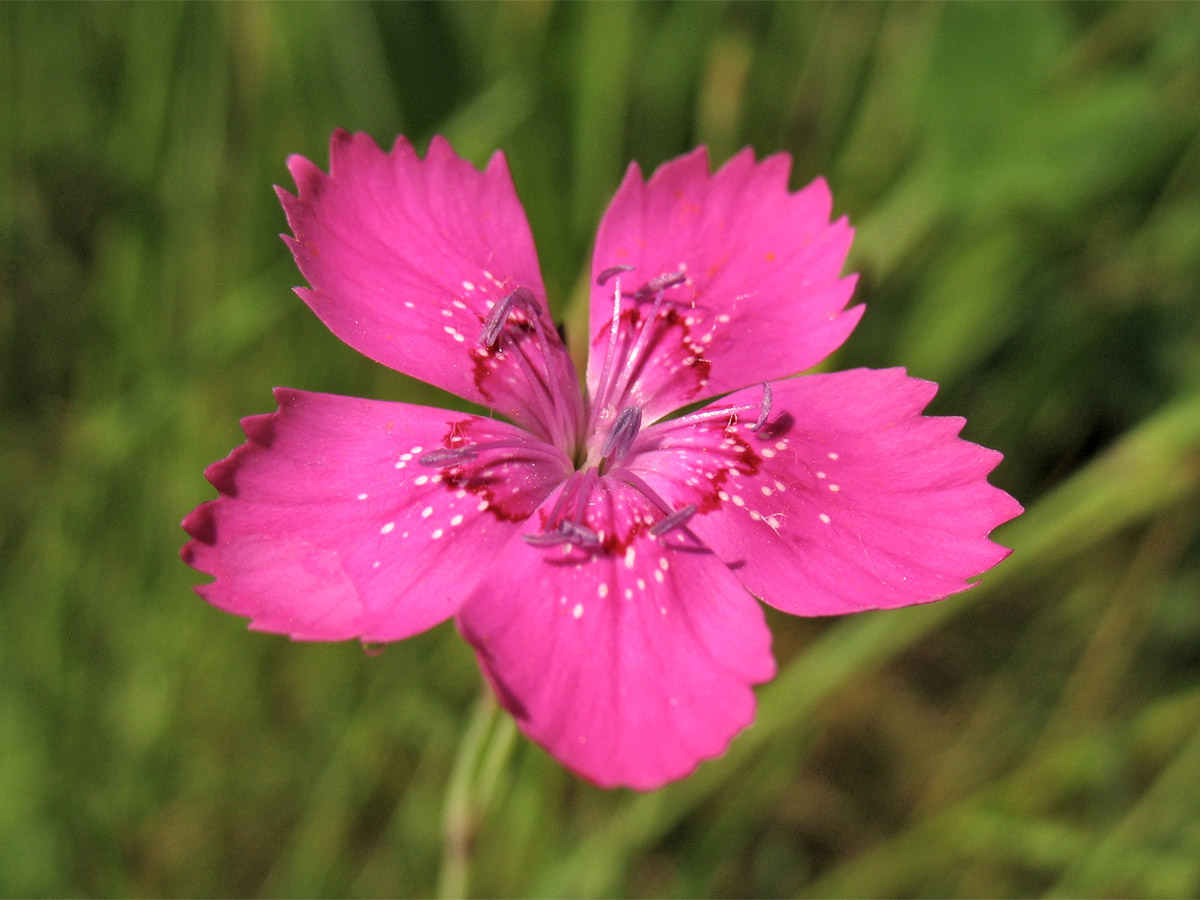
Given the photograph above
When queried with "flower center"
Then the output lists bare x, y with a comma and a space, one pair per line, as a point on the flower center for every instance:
583, 517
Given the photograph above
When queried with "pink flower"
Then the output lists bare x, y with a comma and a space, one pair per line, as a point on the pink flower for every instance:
599, 557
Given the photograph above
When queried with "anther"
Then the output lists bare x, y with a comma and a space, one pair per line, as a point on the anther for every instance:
623, 433
664, 281
603, 278
579, 534
764, 409
498, 316
567, 532
448, 456
673, 520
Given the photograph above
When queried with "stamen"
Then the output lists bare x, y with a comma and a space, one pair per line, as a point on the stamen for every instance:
623, 432
674, 520
515, 449
765, 409
671, 519
633, 361
448, 456
703, 415
494, 324
664, 281
604, 384
579, 534
567, 532
603, 277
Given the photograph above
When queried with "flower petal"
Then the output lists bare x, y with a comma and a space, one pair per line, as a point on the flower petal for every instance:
407, 258
630, 664
847, 499
329, 527
759, 293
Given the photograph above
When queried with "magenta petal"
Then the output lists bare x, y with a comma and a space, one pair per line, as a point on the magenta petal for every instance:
329, 527
406, 258
761, 296
629, 665
848, 498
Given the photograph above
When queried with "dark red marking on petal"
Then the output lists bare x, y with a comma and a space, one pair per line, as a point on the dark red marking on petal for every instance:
706, 455
494, 474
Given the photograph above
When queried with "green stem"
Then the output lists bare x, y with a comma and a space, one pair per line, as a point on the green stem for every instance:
485, 747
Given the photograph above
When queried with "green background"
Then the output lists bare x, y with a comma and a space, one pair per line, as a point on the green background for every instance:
1025, 181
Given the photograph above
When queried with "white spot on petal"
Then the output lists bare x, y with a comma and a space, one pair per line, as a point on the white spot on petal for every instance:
577, 612
630, 556
602, 590
824, 518
387, 529
437, 534
457, 520
427, 512
362, 496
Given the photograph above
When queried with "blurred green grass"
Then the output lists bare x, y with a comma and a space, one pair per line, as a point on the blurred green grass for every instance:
1025, 181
